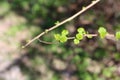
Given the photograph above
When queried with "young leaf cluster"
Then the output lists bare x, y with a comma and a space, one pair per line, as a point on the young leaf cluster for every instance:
102, 32
81, 33
79, 36
62, 37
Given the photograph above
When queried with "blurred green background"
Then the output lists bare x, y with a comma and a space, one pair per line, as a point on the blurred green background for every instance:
92, 59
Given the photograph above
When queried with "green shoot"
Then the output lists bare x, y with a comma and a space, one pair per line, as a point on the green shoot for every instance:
102, 32
76, 41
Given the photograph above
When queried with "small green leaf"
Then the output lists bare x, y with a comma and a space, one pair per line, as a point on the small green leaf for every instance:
102, 31
81, 30
57, 22
63, 38
57, 36
79, 36
76, 41
117, 35
65, 32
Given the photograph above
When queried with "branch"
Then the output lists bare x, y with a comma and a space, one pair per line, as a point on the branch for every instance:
63, 22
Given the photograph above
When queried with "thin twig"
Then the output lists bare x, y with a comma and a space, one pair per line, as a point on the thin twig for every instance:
92, 35
69, 38
63, 22
45, 42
